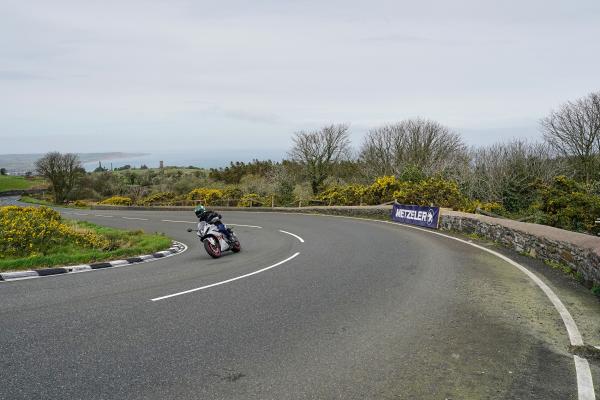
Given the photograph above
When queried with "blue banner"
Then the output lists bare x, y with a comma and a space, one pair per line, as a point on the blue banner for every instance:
428, 217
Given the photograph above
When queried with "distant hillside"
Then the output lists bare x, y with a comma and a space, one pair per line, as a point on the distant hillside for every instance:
21, 163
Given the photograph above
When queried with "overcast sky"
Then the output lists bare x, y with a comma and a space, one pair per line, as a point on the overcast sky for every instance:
178, 75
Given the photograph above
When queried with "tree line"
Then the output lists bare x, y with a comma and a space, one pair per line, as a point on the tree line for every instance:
513, 175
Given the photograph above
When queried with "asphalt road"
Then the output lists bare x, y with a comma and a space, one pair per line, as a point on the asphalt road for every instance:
365, 311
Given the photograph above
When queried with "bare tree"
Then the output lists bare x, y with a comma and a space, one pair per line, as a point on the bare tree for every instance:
574, 133
62, 171
380, 151
422, 143
318, 151
509, 173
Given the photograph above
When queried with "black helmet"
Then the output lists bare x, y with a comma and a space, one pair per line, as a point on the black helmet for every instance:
199, 210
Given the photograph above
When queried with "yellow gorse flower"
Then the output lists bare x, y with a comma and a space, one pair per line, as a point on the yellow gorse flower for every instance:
31, 230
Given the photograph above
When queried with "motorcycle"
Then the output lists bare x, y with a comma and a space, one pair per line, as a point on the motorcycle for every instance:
215, 242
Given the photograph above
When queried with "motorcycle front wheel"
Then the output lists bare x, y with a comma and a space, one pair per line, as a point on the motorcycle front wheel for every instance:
212, 247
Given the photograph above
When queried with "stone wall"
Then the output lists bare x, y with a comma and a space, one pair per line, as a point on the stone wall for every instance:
579, 251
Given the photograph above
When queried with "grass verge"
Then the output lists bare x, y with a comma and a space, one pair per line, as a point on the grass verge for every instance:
31, 200
8, 182
41, 202
122, 244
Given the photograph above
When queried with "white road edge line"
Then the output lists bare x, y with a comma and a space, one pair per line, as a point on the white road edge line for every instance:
180, 222
228, 280
292, 234
585, 385
139, 219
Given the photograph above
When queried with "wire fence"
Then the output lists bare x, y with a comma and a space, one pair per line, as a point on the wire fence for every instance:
244, 202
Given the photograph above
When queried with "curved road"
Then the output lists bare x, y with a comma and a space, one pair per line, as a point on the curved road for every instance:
365, 311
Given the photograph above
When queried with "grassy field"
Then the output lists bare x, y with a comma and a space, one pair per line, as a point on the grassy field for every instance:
123, 244
19, 183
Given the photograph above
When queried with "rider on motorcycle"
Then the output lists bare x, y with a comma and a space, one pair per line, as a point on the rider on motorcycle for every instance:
213, 218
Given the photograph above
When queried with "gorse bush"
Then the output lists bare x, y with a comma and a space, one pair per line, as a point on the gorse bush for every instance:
436, 191
164, 198
80, 203
118, 201
491, 207
205, 195
26, 231
382, 190
251, 200
344, 195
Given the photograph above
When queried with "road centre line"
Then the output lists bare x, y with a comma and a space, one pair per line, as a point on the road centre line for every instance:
246, 226
82, 214
191, 222
139, 219
294, 235
228, 280
585, 386
104, 216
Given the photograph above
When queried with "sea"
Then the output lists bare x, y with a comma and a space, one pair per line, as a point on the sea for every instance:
214, 158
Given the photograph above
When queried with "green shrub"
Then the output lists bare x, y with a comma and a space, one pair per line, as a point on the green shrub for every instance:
412, 173
117, 201
568, 205
232, 193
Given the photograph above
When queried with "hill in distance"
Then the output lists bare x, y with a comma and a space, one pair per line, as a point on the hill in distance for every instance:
21, 163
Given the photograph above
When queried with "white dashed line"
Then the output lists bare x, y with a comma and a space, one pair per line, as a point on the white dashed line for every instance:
292, 234
139, 219
227, 281
246, 226
82, 214
180, 222
103, 216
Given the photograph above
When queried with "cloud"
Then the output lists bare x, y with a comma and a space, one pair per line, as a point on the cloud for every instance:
20, 76
147, 73
398, 38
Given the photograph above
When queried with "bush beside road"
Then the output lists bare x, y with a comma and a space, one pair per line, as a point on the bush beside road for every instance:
39, 237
